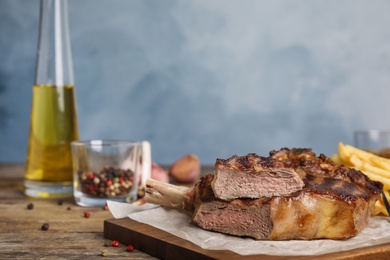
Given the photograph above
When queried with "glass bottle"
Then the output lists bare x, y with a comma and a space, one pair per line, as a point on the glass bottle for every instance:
53, 122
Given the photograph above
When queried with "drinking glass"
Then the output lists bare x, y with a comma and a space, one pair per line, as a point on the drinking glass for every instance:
109, 170
375, 141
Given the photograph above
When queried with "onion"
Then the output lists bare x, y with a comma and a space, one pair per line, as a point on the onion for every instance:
186, 169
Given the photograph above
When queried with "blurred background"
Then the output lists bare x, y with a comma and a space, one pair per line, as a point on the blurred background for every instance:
214, 78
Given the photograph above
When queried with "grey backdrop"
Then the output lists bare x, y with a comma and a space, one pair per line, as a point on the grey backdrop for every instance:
214, 78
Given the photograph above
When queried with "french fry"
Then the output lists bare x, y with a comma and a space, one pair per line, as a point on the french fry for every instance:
381, 205
370, 158
367, 167
337, 159
356, 161
358, 152
381, 163
344, 153
379, 208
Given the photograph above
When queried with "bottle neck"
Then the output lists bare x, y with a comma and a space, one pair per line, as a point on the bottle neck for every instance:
54, 58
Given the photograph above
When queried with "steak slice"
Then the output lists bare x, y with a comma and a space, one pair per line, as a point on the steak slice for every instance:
254, 176
335, 203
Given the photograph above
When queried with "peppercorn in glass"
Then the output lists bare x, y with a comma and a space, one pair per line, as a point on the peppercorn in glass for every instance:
109, 170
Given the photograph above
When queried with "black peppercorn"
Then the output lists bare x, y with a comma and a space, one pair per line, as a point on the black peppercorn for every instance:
30, 206
45, 226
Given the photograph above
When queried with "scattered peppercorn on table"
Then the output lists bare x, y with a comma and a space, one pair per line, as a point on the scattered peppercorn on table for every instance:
59, 229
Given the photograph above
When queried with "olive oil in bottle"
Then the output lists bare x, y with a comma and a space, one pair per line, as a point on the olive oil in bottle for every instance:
53, 122
53, 127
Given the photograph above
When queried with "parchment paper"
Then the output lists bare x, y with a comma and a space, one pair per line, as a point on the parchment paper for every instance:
179, 224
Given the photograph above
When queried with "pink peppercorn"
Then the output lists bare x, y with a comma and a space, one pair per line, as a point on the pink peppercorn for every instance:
130, 248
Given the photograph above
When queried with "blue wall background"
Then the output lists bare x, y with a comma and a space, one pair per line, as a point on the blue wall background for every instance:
214, 78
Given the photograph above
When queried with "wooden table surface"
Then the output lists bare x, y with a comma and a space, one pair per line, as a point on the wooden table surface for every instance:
70, 234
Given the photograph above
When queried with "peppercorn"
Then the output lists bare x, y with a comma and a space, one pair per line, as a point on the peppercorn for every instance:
86, 214
68, 208
60, 202
30, 206
130, 248
109, 182
104, 252
115, 243
45, 226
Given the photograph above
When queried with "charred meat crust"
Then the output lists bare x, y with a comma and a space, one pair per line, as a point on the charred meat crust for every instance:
250, 163
323, 176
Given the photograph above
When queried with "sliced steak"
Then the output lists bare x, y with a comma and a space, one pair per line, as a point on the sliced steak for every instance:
307, 214
335, 203
254, 176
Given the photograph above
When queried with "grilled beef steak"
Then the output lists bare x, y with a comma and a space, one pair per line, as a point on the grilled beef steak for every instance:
336, 202
254, 176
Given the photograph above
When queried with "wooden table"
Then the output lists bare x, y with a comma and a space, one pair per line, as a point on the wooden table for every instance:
72, 236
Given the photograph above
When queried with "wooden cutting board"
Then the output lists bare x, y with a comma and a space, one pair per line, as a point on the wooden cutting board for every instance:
164, 245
